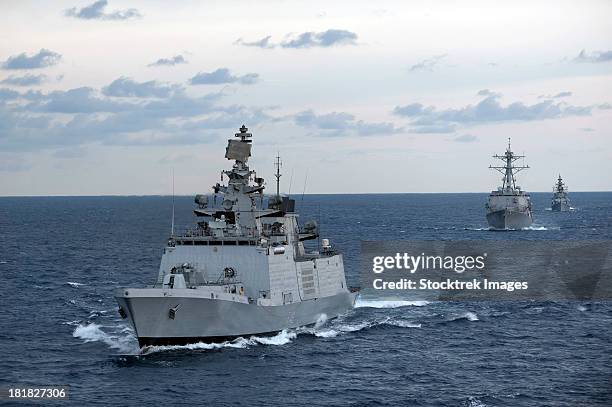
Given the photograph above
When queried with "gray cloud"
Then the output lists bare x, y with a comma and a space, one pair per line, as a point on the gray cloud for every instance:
77, 100
263, 43
594, 57
95, 11
342, 124
175, 60
321, 39
43, 59
427, 64
9, 94
310, 39
223, 75
26, 80
35, 120
559, 95
488, 110
411, 110
466, 138
126, 87
487, 92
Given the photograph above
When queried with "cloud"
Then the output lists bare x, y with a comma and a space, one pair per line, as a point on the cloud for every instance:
26, 80
263, 43
559, 95
95, 11
77, 100
342, 124
487, 92
175, 60
126, 87
563, 94
9, 94
321, 39
223, 75
63, 119
605, 106
488, 110
309, 39
43, 59
594, 57
413, 109
587, 129
466, 138
427, 64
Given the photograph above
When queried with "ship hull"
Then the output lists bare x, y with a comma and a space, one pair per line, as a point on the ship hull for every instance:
212, 320
508, 219
560, 206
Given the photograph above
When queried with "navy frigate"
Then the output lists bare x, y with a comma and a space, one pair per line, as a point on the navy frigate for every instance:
509, 207
243, 269
560, 202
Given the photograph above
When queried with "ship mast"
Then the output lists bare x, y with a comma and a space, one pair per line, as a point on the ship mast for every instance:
560, 187
509, 169
278, 164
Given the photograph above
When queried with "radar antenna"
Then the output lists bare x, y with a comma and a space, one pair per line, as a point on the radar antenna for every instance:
244, 135
509, 169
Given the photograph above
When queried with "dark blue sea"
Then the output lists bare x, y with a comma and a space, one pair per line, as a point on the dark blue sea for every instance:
61, 258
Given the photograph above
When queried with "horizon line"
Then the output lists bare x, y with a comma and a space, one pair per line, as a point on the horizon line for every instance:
322, 193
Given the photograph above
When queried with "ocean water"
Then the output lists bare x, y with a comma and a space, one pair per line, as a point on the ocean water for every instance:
61, 258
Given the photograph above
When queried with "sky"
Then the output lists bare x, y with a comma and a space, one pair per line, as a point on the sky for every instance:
110, 97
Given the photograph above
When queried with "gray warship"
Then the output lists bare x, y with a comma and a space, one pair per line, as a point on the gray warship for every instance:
560, 202
509, 207
243, 269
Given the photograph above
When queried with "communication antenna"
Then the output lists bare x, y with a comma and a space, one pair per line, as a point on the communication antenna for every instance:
290, 183
319, 225
278, 164
304, 190
172, 229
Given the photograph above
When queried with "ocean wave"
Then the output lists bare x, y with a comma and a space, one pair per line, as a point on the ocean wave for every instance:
474, 402
72, 323
340, 328
535, 227
404, 324
466, 316
94, 333
74, 284
282, 338
363, 303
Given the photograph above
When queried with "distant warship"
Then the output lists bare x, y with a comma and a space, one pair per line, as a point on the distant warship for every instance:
509, 207
242, 270
560, 202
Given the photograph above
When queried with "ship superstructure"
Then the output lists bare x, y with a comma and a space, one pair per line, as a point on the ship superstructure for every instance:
509, 207
243, 269
560, 201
